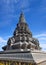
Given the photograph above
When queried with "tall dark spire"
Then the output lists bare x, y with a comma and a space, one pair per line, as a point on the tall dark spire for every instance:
22, 38
22, 19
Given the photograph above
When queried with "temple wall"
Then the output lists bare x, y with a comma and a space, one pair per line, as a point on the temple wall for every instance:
14, 63
19, 63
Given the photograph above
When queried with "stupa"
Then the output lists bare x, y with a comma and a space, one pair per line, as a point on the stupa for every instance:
22, 48
22, 37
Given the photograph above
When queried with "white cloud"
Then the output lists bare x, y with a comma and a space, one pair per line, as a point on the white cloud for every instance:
42, 39
2, 40
43, 46
40, 35
2, 43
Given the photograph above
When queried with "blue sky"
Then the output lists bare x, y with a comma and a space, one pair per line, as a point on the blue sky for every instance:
35, 15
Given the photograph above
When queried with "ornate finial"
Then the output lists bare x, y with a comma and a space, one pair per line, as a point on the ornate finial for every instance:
22, 19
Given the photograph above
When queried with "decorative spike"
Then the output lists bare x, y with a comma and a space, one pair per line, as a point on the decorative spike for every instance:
22, 19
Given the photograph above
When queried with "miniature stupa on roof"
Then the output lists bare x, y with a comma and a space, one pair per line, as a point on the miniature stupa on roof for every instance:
22, 37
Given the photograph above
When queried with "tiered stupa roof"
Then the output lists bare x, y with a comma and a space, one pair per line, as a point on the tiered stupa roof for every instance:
22, 37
